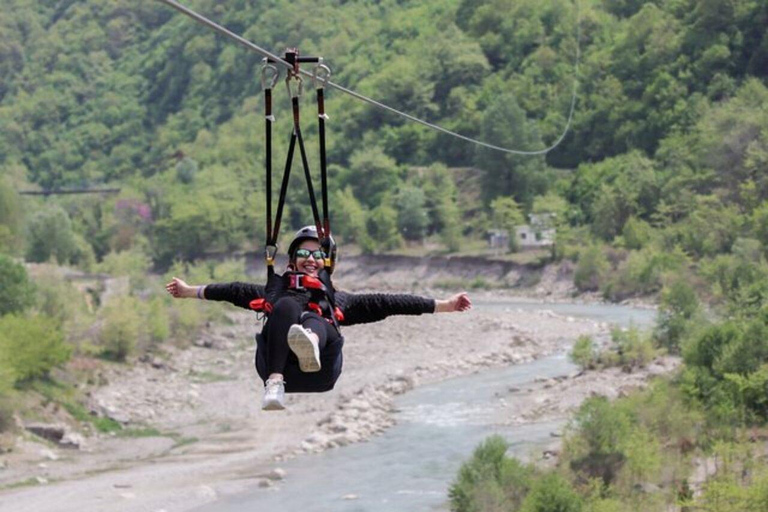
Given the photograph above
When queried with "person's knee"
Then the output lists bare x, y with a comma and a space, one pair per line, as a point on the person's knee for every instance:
286, 305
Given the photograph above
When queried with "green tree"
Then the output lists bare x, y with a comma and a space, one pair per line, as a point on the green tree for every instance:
552, 493
520, 177
33, 345
17, 292
349, 219
411, 213
506, 214
590, 268
371, 174
50, 235
382, 228
678, 306
490, 480
11, 218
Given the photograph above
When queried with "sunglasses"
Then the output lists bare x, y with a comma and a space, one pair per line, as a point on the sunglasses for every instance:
305, 253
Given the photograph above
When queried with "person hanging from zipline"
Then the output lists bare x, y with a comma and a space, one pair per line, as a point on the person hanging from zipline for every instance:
299, 350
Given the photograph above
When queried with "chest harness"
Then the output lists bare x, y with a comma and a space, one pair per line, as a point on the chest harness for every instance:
321, 292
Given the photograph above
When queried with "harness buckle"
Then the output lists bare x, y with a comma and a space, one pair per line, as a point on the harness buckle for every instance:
296, 282
270, 251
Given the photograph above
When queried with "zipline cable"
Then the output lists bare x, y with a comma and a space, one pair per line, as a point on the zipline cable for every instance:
278, 60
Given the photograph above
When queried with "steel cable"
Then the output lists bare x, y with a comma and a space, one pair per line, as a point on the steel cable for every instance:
278, 60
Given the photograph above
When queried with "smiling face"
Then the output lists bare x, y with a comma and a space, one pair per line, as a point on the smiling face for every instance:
309, 265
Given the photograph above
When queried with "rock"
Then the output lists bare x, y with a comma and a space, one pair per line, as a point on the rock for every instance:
276, 474
40, 480
49, 454
47, 431
206, 492
72, 440
548, 454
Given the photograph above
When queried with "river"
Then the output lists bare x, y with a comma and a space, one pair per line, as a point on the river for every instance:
411, 466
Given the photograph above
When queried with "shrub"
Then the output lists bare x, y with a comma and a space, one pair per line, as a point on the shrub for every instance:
382, 227
634, 348
636, 234
50, 235
157, 322
584, 353
590, 269
121, 330
490, 480
552, 493
412, 217
641, 273
17, 293
31, 346
678, 305
133, 263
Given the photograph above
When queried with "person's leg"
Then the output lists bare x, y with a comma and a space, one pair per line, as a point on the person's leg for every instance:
285, 313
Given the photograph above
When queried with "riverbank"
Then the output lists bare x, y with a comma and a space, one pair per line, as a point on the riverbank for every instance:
216, 441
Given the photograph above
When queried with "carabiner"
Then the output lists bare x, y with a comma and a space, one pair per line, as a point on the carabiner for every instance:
299, 88
321, 74
269, 75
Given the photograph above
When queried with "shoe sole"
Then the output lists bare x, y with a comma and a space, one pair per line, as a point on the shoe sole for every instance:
305, 350
272, 406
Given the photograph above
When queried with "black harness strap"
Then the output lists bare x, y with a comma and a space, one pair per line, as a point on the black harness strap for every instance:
323, 226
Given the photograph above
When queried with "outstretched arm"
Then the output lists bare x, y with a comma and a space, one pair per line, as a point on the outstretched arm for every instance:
459, 302
239, 294
372, 307
179, 289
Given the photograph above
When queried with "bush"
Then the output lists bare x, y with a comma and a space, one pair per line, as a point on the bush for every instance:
382, 228
634, 348
133, 263
50, 235
490, 480
31, 346
122, 327
552, 493
678, 305
584, 353
642, 272
590, 269
17, 293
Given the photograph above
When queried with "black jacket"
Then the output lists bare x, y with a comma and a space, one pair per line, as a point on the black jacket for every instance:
358, 308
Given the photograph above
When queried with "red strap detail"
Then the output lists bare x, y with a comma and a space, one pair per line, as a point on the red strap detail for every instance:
314, 306
339, 314
260, 305
312, 282
304, 281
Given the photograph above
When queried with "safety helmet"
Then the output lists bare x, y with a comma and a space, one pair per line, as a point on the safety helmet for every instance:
305, 233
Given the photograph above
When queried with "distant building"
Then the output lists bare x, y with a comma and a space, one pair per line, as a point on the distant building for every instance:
498, 239
538, 234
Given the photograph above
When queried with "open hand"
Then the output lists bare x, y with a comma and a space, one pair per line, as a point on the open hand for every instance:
180, 289
459, 302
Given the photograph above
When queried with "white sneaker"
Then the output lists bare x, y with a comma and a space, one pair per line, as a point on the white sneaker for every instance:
304, 343
274, 395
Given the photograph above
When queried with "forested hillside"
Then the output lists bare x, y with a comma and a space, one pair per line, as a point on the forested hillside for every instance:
136, 95
660, 186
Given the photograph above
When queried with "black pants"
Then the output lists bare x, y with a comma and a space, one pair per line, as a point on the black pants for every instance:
274, 356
